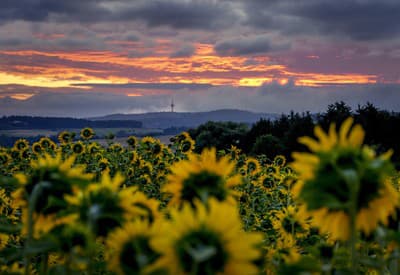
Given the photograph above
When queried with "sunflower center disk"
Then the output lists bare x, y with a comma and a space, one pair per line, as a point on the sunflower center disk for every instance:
331, 190
201, 252
136, 255
52, 196
202, 186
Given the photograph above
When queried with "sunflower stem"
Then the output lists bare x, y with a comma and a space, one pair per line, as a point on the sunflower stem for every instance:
353, 241
33, 198
354, 187
44, 264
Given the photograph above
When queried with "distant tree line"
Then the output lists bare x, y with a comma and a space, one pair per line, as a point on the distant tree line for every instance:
279, 136
51, 123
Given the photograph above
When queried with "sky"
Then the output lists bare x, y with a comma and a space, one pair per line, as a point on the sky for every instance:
95, 57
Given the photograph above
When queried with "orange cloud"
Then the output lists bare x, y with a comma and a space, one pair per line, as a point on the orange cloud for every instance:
203, 67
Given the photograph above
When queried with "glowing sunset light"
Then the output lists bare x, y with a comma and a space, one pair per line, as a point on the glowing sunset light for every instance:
22, 96
203, 68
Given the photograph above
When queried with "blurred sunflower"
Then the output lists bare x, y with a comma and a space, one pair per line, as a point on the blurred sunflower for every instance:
57, 177
201, 177
145, 208
50, 179
105, 205
341, 178
87, 133
3, 240
206, 240
128, 248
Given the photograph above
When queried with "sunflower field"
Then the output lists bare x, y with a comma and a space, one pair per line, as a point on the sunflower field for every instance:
78, 207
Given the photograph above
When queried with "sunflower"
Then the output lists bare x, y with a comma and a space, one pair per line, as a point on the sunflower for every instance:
57, 177
132, 142
286, 250
47, 144
3, 240
185, 142
104, 165
289, 223
93, 148
8, 207
50, 180
128, 248
73, 237
78, 147
115, 148
104, 205
234, 152
21, 144
4, 158
145, 208
87, 133
342, 179
201, 177
65, 137
268, 183
147, 141
206, 240
279, 160
252, 166
25, 154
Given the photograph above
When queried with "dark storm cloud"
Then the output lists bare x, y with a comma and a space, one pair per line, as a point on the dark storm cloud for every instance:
182, 14
248, 46
358, 20
179, 14
42, 10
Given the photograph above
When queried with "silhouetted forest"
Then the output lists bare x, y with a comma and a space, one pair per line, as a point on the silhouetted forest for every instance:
279, 136
53, 123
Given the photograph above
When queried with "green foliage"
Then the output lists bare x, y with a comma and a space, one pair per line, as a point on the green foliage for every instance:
218, 134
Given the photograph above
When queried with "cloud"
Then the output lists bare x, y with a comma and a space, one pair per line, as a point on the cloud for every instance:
180, 14
152, 86
82, 104
44, 10
184, 51
357, 20
250, 45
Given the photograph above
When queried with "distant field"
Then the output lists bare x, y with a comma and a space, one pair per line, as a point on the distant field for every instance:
100, 132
